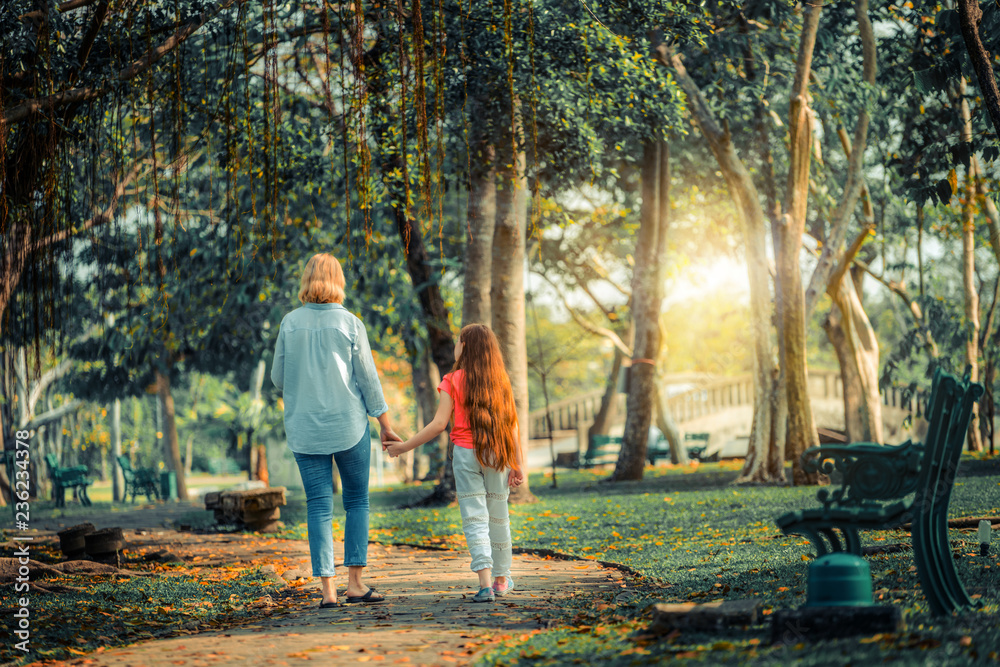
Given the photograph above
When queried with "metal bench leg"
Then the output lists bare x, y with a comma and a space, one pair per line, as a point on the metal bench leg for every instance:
957, 597
935, 565
928, 561
835, 543
852, 539
817, 541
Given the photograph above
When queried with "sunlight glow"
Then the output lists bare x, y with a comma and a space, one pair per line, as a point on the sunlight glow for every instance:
697, 280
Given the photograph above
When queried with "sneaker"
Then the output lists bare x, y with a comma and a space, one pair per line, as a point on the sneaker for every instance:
485, 594
508, 587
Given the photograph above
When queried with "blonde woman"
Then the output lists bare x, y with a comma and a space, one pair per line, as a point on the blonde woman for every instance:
324, 367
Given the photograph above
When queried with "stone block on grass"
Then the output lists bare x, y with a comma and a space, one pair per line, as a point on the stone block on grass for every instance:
705, 616
809, 624
256, 509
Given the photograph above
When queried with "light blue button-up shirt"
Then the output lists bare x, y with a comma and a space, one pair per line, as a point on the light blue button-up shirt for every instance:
323, 364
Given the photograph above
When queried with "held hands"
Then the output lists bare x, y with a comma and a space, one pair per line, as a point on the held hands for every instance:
395, 448
515, 478
388, 437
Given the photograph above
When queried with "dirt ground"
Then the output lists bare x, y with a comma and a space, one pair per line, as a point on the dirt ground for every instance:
427, 619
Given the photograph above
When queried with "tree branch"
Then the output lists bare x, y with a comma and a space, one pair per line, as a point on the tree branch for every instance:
53, 415
584, 324
845, 262
101, 218
31, 107
821, 277
969, 16
47, 378
88, 40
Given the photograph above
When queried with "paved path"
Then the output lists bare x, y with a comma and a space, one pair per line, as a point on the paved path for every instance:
427, 619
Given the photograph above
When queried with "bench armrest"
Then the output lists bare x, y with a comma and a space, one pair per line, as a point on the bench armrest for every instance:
871, 472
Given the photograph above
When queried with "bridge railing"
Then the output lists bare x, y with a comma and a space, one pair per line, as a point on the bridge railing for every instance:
708, 398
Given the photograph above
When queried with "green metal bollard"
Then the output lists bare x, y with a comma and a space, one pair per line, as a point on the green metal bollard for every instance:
839, 580
168, 485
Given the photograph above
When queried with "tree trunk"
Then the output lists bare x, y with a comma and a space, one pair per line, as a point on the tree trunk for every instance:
172, 450
609, 401
765, 462
854, 149
989, 406
854, 341
801, 433
969, 270
507, 289
118, 481
425, 382
482, 214
260, 469
762, 449
6, 421
424, 279
259, 448
665, 422
970, 14
646, 302
188, 454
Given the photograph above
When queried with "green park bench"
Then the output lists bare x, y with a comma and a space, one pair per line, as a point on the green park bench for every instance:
138, 480
697, 451
662, 448
876, 475
72, 477
601, 449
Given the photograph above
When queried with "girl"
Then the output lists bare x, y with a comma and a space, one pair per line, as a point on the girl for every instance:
487, 459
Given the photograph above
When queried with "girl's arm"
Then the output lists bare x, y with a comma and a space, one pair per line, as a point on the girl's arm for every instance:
429, 432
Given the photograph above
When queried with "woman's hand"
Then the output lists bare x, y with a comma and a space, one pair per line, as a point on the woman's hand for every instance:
515, 478
388, 436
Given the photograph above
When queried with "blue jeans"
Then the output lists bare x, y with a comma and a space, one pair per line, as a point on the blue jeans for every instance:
317, 479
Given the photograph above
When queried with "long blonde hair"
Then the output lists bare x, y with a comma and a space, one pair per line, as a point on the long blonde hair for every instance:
489, 398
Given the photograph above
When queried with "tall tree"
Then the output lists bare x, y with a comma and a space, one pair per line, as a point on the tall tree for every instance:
507, 303
647, 298
766, 456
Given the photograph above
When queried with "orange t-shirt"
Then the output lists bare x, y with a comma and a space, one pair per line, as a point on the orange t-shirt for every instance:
453, 384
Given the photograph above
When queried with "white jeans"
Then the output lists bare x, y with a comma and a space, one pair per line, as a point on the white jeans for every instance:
482, 499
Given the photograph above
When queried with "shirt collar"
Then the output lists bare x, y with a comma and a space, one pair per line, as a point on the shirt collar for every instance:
323, 306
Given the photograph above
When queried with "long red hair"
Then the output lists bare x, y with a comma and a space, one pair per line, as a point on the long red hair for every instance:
489, 398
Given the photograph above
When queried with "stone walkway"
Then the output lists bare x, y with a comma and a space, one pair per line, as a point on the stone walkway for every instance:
427, 618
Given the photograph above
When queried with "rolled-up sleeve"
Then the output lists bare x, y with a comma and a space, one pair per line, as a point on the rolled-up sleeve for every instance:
278, 366
366, 375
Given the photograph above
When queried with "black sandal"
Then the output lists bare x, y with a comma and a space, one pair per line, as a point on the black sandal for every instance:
330, 605
370, 596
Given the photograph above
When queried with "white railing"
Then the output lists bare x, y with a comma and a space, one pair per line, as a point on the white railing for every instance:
710, 397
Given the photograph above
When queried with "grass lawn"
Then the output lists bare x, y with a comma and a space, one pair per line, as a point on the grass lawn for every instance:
687, 534
694, 537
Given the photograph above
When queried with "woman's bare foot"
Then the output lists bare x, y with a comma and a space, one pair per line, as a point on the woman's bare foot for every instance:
329, 588
356, 590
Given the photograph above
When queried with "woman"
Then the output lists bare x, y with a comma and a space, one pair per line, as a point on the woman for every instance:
323, 365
